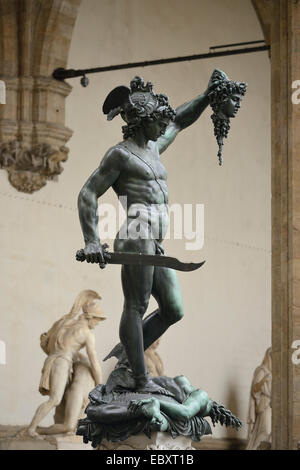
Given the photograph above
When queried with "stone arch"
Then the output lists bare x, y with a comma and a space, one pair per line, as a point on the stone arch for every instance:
263, 11
9, 39
52, 35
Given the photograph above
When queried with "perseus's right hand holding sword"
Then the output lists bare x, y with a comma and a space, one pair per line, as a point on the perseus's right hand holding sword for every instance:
140, 259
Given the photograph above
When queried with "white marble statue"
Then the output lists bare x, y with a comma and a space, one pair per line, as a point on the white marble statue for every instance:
259, 416
67, 376
153, 361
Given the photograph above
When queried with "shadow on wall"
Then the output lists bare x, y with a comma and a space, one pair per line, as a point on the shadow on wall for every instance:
232, 403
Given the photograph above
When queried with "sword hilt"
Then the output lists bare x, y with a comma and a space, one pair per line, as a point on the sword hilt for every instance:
81, 256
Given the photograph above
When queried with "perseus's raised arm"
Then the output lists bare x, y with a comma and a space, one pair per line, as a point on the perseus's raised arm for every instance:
97, 184
186, 115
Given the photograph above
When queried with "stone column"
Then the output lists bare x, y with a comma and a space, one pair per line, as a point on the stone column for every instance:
285, 69
280, 21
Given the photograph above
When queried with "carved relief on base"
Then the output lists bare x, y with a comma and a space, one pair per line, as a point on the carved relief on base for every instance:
29, 168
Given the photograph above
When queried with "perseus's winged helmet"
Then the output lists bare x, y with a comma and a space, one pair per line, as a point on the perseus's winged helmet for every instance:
138, 101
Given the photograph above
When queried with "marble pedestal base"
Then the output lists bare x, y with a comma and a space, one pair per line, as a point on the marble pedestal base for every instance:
158, 441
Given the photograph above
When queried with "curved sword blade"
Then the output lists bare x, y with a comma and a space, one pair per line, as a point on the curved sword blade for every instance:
140, 259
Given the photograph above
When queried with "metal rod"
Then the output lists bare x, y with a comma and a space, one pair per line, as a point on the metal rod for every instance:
61, 73
237, 44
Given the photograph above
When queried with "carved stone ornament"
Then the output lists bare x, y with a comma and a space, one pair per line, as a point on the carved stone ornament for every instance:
29, 168
33, 134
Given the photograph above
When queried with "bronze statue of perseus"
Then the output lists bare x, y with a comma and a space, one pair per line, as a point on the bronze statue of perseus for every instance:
133, 168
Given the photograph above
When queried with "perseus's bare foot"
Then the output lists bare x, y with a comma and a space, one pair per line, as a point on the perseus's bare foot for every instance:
148, 386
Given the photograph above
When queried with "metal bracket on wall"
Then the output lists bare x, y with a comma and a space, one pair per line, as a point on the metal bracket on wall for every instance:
62, 74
